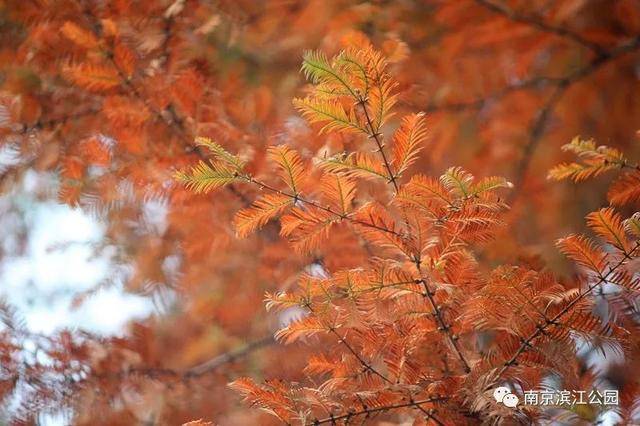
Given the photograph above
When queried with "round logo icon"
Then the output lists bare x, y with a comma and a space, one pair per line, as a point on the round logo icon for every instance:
503, 395
510, 400
500, 393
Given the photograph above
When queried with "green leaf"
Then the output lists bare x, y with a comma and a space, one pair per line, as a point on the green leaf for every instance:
204, 177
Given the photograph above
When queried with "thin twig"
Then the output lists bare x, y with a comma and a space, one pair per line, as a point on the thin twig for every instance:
369, 411
55, 121
342, 216
376, 137
442, 325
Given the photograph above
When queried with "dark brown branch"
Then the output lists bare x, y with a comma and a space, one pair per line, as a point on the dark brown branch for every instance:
442, 325
369, 411
540, 25
376, 137
429, 414
367, 366
478, 103
194, 372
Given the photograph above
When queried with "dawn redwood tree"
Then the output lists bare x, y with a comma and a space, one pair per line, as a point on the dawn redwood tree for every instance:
418, 330
399, 286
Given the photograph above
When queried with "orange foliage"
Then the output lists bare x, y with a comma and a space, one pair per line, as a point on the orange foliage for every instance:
404, 277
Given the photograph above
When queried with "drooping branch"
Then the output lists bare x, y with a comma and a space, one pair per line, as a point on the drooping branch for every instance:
199, 370
169, 116
479, 102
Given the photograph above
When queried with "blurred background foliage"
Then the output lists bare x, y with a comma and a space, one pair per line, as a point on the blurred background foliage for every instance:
100, 102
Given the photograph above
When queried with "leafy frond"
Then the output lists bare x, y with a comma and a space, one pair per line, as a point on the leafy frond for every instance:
204, 177
632, 225
322, 364
596, 160
303, 328
220, 153
353, 78
319, 70
381, 101
125, 59
381, 229
248, 220
588, 149
79, 35
625, 189
291, 166
608, 224
423, 189
407, 141
625, 279
329, 112
271, 398
306, 229
356, 165
93, 77
281, 300
489, 184
583, 251
378, 87
340, 190
476, 223
458, 181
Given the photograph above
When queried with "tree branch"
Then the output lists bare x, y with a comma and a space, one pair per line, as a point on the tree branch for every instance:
541, 328
369, 411
562, 85
376, 137
55, 121
229, 357
540, 25
297, 197
171, 118
442, 325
